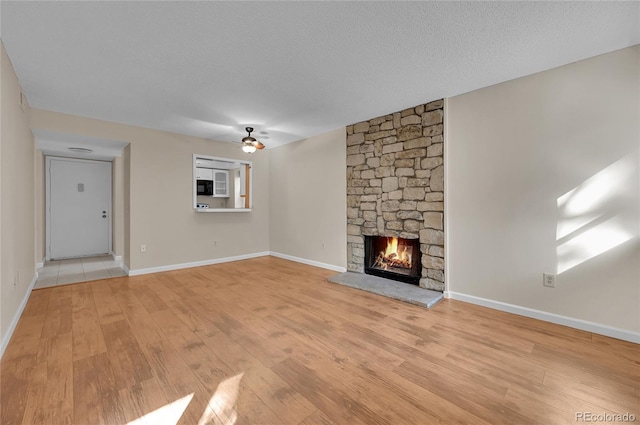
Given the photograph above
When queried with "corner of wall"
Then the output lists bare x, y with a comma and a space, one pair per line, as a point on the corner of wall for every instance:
307, 197
18, 254
447, 245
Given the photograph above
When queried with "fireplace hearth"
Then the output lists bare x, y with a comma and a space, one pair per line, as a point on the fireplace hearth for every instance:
393, 258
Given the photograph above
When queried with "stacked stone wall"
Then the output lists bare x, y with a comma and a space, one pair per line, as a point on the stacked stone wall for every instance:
395, 185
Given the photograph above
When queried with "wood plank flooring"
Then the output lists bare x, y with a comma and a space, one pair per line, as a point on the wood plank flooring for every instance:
268, 341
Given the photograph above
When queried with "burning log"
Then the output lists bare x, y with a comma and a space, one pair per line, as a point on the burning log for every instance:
380, 261
384, 261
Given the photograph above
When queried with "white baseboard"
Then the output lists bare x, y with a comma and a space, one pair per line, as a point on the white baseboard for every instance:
16, 316
117, 259
169, 267
583, 325
40, 264
193, 264
309, 262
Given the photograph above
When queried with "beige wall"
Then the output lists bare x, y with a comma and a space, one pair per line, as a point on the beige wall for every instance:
117, 207
160, 213
39, 207
308, 199
542, 172
126, 198
4, 334
17, 218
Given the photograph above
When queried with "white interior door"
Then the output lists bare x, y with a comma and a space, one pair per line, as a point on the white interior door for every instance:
79, 214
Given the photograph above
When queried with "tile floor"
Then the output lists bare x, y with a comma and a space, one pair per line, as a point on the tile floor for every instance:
62, 272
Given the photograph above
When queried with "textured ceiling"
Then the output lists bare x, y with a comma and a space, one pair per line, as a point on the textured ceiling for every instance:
289, 69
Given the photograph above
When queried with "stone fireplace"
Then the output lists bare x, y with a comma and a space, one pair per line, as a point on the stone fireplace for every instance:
395, 187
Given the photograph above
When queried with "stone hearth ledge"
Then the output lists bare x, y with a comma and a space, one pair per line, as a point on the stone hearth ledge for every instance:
389, 288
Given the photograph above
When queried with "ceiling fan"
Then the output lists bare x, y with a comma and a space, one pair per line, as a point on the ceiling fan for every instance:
249, 143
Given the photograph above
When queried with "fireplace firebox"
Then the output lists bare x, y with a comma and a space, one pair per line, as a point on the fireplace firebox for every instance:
393, 258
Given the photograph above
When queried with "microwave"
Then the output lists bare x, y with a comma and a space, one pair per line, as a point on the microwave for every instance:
204, 187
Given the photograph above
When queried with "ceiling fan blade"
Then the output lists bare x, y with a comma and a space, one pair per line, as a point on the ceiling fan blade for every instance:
258, 145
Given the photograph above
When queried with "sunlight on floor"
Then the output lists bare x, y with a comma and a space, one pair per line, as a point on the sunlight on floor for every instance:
221, 409
168, 414
591, 216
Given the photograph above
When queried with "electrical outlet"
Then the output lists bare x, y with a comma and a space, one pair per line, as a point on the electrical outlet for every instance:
143, 248
549, 280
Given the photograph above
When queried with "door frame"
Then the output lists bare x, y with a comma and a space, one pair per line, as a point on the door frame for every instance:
47, 174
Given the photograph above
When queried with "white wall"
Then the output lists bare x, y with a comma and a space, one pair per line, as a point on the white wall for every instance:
308, 199
17, 217
542, 174
157, 195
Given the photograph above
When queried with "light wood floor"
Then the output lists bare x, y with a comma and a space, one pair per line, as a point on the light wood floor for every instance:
267, 341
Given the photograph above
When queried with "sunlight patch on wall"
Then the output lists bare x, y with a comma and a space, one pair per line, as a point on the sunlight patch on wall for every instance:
594, 192
169, 414
591, 243
591, 217
569, 225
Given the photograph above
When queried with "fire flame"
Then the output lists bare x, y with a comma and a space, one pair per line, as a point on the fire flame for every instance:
390, 257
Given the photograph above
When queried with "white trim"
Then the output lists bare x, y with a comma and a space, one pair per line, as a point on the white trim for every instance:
309, 262
548, 317
193, 264
40, 264
16, 317
229, 259
116, 258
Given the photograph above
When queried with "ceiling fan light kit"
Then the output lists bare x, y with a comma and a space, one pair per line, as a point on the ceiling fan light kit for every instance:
248, 148
250, 144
